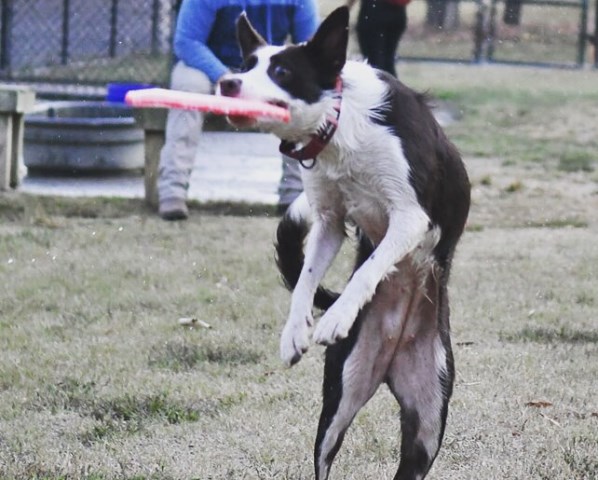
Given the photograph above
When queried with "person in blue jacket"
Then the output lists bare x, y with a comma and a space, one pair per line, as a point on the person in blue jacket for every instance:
205, 46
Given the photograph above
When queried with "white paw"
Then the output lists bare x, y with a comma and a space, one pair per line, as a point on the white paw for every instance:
294, 341
334, 325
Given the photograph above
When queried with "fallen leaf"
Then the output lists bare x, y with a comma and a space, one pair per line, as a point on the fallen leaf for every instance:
539, 404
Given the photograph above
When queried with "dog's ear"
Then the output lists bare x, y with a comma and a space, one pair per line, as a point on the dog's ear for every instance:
329, 44
249, 40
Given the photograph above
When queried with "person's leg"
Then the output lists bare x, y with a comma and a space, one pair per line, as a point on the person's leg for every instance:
290, 185
183, 129
369, 34
396, 24
380, 26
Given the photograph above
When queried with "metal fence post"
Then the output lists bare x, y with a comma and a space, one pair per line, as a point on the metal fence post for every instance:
6, 38
113, 28
479, 32
64, 52
155, 48
583, 33
491, 32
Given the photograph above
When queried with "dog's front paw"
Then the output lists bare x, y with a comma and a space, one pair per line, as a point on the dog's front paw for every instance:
294, 341
334, 326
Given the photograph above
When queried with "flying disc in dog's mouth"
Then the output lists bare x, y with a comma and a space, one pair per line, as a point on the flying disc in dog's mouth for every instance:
233, 107
245, 121
241, 121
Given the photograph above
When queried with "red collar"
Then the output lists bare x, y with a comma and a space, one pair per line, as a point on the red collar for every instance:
321, 138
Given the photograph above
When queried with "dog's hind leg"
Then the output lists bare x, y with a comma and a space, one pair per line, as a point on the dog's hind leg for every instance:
421, 378
357, 365
350, 380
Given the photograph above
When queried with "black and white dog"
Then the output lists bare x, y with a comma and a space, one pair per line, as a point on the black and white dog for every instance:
375, 158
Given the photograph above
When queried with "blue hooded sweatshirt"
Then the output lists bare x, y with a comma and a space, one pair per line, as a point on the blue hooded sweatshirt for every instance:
205, 36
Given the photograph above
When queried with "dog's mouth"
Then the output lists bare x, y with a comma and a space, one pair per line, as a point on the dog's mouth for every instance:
241, 121
278, 103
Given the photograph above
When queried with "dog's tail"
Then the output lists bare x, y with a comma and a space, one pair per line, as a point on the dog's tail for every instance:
290, 237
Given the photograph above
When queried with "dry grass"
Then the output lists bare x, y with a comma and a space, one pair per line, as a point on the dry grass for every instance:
99, 381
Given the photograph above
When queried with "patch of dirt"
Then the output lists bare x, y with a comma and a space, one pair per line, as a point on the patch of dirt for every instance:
514, 196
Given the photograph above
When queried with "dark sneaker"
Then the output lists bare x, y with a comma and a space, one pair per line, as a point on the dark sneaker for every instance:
173, 209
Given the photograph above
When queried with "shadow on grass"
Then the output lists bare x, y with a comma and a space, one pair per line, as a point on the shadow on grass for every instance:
40, 209
576, 458
38, 472
551, 336
128, 413
180, 356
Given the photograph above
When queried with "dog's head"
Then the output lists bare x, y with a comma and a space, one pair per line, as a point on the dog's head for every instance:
295, 77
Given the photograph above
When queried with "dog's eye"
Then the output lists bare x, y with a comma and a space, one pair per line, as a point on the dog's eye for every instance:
281, 73
249, 63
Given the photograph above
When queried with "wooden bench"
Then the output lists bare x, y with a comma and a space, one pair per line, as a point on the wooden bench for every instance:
153, 123
15, 101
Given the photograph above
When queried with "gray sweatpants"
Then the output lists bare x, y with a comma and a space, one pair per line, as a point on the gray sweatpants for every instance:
183, 130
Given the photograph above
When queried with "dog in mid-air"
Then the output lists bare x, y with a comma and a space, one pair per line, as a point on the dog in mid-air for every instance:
377, 163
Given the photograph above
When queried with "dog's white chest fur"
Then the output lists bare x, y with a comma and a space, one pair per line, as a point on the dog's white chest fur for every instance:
356, 194
364, 168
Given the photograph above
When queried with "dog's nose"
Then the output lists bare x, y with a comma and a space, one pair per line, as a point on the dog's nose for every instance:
230, 87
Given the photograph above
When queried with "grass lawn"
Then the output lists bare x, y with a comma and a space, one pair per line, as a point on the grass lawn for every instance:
98, 380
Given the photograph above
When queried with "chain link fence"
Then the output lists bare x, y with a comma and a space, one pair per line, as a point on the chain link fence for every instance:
529, 32
539, 32
95, 42
86, 41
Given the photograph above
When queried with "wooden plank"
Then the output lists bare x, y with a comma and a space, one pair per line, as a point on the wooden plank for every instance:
6, 150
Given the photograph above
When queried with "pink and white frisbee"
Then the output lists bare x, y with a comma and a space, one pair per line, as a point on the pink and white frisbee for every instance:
230, 106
